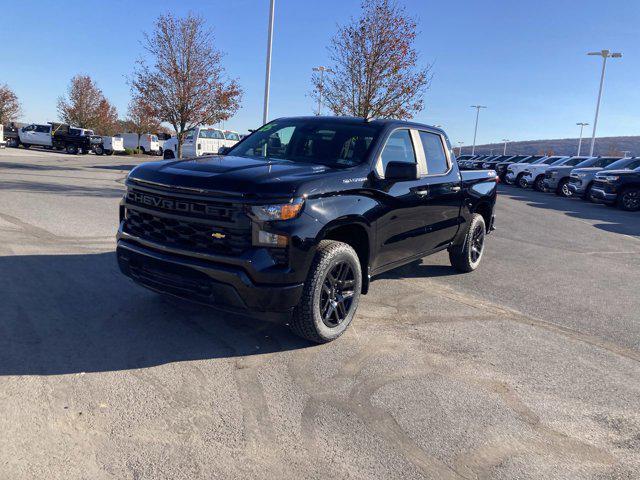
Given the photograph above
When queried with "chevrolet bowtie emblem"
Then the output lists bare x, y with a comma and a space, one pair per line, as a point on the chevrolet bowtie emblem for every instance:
217, 235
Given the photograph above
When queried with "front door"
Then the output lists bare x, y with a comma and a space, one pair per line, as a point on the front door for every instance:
400, 223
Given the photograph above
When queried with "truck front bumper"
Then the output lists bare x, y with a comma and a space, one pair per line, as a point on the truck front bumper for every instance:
600, 194
223, 286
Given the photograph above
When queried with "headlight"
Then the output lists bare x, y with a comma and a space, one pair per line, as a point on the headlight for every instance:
581, 175
283, 211
610, 178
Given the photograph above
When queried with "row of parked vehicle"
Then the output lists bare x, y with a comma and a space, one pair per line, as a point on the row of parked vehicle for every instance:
74, 140
614, 181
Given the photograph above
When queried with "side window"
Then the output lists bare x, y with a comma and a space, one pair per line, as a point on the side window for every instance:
434, 153
30, 128
398, 148
189, 135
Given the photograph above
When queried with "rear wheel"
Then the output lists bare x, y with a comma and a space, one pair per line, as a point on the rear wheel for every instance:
629, 199
72, 149
563, 188
520, 181
466, 257
108, 152
26, 145
330, 295
99, 150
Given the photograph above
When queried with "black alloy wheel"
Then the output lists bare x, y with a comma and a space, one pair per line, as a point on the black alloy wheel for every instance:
337, 294
477, 242
630, 200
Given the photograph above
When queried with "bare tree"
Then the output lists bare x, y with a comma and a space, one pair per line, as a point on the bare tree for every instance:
85, 106
9, 105
375, 65
186, 85
141, 117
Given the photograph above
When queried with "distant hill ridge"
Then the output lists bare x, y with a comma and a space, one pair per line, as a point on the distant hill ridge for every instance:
563, 146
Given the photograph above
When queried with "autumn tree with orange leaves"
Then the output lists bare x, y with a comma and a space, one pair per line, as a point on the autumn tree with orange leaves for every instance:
376, 72
9, 105
85, 106
185, 84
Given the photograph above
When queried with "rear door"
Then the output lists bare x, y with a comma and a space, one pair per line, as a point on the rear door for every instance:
42, 135
443, 193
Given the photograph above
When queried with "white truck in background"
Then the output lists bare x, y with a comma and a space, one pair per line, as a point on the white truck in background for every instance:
110, 145
147, 142
200, 141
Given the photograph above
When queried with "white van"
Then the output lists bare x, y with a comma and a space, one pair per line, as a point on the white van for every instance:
147, 142
231, 138
198, 141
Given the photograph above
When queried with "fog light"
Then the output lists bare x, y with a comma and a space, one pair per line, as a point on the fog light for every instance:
272, 239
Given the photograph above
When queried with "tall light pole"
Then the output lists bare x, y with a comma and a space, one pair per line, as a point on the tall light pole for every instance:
475, 132
505, 140
321, 69
581, 125
604, 54
267, 78
460, 147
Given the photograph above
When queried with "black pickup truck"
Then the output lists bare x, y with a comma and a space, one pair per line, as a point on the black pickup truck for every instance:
299, 216
618, 187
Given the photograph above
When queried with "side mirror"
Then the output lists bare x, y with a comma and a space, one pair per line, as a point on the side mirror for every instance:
223, 150
400, 171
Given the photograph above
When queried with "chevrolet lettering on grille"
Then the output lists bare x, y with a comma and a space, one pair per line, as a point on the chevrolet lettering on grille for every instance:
172, 205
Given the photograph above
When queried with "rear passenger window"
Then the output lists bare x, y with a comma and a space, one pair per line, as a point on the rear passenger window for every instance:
434, 153
399, 148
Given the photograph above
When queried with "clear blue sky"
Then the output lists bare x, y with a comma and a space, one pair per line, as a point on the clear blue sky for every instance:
525, 60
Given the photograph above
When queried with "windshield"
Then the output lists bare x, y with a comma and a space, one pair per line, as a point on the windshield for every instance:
323, 141
232, 136
625, 163
558, 161
530, 160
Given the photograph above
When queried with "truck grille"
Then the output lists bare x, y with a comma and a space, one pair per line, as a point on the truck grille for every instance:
186, 234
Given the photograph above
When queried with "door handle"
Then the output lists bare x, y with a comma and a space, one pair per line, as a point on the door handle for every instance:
422, 193
455, 189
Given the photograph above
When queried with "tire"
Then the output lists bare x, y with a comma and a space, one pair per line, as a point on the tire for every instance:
520, 181
466, 257
13, 142
563, 188
108, 152
587, 193
538, 183
26, 145
168, 155
142, 151
629, 199
72, 149
322, 290
99, 150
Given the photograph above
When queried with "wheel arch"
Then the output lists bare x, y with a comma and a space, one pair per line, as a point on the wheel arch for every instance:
355, 232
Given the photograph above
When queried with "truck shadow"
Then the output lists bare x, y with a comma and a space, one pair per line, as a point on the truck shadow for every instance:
63, 314
613, 220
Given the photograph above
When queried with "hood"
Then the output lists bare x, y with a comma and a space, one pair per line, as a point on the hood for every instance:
246, 177
618, 172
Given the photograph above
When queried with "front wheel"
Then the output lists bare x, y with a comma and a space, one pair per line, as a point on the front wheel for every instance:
99, 150
330, 294
26, 145
72, 149
466, 257
520, 181
539, 184
629, 199
563, 188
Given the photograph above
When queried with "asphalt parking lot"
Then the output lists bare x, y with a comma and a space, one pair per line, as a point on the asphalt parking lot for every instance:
526, 368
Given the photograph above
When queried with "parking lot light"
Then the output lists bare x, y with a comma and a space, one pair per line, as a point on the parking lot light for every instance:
604, 54
267, 76
582, 125
475, 132
504, 150
460, 147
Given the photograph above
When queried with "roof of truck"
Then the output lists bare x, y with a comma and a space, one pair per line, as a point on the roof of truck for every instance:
373, 121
